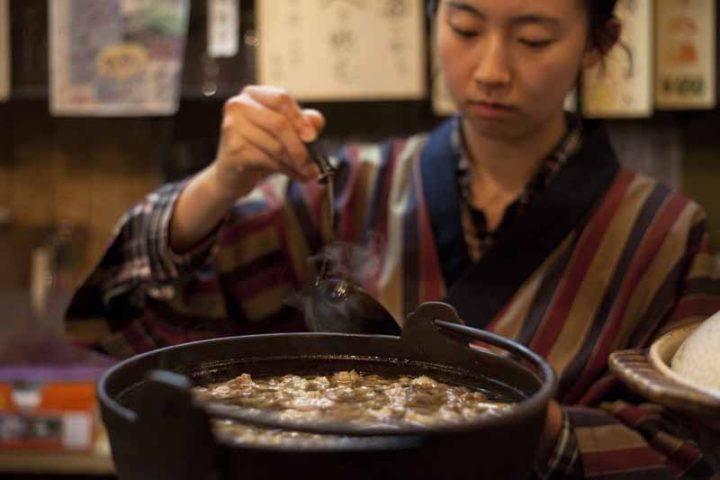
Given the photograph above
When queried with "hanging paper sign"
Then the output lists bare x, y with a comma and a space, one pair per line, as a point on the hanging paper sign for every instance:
223, 27
622, 86
116, 57
4, 50
685, 76
342, 49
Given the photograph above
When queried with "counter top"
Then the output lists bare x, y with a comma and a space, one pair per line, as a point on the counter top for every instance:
97, 461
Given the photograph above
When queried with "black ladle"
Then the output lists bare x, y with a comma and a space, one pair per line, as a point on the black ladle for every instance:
336, 305
333, 304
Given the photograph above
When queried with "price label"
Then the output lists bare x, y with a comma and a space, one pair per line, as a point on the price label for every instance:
685, 54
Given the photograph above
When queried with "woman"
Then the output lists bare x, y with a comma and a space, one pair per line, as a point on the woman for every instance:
514, 212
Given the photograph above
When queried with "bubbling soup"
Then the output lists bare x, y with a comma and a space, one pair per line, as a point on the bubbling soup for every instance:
365, 400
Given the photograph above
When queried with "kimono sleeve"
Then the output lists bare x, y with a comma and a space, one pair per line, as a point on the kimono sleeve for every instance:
240, 279
137, 264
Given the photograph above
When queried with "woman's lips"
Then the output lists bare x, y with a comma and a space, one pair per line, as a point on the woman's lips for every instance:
489, 110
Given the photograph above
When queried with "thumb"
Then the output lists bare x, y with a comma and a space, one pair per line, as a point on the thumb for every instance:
315, 118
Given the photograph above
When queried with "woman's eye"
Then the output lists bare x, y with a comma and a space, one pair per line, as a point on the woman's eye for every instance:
464, 33
535, 43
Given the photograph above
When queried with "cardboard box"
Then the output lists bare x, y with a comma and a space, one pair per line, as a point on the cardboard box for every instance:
52, 415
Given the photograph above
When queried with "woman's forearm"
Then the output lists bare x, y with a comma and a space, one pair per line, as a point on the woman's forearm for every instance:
201, 206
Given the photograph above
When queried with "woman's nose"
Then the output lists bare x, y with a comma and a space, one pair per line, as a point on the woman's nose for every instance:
493, 69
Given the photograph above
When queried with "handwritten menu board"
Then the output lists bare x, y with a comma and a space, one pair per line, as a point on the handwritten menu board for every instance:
4, 50
342, 49
116, 57
623, 86
685, 75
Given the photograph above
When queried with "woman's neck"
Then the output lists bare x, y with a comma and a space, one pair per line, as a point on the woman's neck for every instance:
504, 166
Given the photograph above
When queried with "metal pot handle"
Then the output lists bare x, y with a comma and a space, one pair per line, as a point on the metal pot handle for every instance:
435, 327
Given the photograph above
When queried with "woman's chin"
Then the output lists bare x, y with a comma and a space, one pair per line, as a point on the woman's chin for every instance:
496, 129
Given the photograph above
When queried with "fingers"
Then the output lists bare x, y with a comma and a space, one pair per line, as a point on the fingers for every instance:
270, 131
271, 147
255, 160
277, 126
264, 129
280, 101
316, 118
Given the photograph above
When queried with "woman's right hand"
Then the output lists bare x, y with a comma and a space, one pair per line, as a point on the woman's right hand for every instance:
264, 131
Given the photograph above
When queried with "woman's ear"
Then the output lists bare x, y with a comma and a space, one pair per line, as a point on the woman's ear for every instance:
601, 42
591, 57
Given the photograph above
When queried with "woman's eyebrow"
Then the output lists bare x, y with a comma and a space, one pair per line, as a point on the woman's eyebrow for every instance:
536, 19
530, 18
466, 8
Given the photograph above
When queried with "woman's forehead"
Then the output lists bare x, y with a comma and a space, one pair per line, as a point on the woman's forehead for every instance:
508, 8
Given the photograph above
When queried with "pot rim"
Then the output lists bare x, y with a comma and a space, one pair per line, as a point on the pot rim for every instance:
522, 409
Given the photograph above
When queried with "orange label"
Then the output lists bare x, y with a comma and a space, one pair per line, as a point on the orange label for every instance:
55, 396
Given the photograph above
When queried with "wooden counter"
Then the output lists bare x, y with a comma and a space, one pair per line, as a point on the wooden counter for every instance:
98, 461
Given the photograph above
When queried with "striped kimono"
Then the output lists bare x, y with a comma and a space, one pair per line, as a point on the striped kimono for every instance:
603, 259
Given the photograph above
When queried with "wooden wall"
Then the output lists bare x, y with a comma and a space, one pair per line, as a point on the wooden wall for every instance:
701, 165
77, 173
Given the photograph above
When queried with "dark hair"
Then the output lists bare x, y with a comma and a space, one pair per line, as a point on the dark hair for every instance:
600, 12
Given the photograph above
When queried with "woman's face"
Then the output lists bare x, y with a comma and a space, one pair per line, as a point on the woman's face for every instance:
509, 64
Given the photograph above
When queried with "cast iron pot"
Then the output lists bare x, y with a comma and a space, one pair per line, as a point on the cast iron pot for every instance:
157, 431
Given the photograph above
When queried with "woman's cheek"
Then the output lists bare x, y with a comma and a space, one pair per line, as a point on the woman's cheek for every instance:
552, 82
457, 74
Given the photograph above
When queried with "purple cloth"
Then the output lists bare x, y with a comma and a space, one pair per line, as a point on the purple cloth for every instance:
46, 373
50, 360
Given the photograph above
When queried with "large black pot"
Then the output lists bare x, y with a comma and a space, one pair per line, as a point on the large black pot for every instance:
157, 432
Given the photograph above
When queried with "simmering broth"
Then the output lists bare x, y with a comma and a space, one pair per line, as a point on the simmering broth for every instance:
347, 397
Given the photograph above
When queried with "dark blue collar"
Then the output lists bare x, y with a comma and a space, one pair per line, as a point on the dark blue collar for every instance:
439, 166
480, 290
